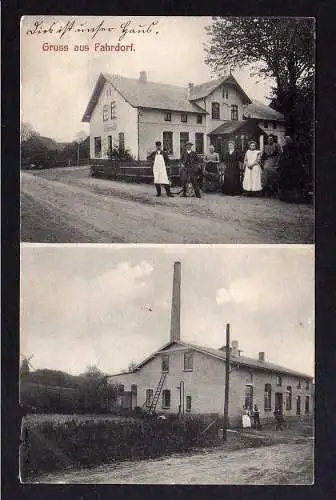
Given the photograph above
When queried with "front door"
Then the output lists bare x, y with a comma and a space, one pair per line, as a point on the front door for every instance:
278, 400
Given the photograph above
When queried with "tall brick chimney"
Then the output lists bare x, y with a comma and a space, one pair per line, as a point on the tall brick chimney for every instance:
235, 348
176, 304
261, 356
190, 87
143, 76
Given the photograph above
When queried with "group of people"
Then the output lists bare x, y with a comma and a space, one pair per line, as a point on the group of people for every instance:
269, 171
251, 418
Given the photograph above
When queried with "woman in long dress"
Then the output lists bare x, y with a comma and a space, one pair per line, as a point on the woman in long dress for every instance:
252, 173
232, 184
211, 174
270, 159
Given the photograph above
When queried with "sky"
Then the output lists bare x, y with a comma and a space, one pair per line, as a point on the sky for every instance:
56, 86
90, 304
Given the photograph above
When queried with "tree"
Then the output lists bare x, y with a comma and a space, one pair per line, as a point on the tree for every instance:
279, 48
26, 131
132, 366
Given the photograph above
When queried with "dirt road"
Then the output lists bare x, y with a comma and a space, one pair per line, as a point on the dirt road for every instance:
284, 463
68, 206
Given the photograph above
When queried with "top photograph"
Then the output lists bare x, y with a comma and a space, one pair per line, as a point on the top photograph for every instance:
160, 130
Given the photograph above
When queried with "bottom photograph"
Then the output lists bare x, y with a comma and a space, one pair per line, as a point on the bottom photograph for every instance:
167, 364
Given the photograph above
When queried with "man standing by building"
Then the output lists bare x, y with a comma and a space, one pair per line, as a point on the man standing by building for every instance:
189, 170
159, 161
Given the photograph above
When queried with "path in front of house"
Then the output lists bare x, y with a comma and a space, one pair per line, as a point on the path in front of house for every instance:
68, 205
282, 463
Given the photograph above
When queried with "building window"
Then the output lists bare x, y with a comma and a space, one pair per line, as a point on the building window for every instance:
234, 112
165, 364
105, 112
184, 117
279, 381
134, 389
188, 403
298, 405
113, 110
265, 124
149, 396
184, 138
307, 404
121, 141
225, 93
289, 398
274, 125
268, 397
299, 384
307, 385
167, 140
199, 142
199, 118
188, 361
121, 389
97, 147
167, 116
215, 111
166, 398
109, 144
248, 397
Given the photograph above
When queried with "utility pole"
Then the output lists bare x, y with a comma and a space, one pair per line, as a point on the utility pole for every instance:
227, 381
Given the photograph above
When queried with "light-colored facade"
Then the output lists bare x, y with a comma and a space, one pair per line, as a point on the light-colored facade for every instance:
203, 379
134, 114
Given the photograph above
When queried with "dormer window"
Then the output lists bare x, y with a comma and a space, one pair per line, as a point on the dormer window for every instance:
184, 117
215, 113
225, 93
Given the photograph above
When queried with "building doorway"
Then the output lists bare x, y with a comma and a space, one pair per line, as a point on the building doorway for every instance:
278, 400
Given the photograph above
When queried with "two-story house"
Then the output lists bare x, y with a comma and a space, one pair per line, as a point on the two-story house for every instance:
191, 378
134, 113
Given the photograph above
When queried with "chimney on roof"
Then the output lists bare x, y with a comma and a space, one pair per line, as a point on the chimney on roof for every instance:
176, 304
190, 86
261, 356
143, 77
235, 348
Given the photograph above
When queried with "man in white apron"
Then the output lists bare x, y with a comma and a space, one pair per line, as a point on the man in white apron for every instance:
159, 161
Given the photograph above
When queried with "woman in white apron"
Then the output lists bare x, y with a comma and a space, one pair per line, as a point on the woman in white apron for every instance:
159, 161
252, 174
246, 420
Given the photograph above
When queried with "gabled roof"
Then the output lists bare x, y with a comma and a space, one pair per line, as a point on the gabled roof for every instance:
235, 360
258, 110
144, 95
229, 127
205, 89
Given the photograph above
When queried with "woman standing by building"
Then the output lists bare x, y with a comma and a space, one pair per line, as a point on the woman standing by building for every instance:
232, 184
270, 159
252, 173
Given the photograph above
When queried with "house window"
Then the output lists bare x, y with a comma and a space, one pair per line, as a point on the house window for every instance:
134, 389
165, 364
188, 403
265, 124
184, 117
298, 405
199, 118
215, 111
105, 112
149, 396
167, 140
234, 112
248, 397
225, 93
121, 389
199, 143
307, 385
166, 398
113, 110
268, 397
289, 398
167, 116
299, 384
97, 147
274, 125
188, 361
109, 144
121, 141
279, 381
184, 138
307, 404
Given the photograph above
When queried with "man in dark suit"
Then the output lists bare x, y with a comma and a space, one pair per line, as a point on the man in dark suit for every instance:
189, 170
159, 159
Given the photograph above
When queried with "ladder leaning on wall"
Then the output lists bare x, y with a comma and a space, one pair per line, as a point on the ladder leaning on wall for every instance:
152, 406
